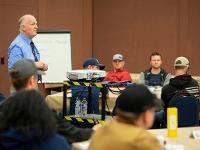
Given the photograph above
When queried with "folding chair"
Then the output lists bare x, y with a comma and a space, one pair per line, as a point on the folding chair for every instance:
187, 110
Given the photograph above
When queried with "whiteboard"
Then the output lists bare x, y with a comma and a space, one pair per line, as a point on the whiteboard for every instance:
55, 50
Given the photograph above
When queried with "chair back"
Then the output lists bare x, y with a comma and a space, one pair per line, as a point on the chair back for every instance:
187, 110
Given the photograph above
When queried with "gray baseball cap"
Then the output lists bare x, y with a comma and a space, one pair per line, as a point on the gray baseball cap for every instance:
118, 57
23, 68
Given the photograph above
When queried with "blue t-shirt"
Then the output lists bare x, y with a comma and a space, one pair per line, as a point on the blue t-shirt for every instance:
155, 80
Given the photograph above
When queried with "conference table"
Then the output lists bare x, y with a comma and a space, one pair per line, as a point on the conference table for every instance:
55, 101
184, 137
184, 140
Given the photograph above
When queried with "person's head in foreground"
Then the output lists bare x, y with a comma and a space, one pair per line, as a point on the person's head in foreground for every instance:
181, 65
135, 114
24, 75
136, 106
26, 119
27, 112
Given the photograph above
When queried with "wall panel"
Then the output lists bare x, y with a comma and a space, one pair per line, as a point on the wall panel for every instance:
135, 29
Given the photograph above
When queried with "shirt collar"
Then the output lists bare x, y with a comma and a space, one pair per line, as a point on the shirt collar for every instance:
26, 38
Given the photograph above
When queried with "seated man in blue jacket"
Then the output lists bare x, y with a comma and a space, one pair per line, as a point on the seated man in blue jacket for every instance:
82, 91
155, 75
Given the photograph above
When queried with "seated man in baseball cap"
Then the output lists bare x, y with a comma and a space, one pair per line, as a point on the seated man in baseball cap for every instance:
81, 92
23, 76
135, 114
93, 64
181, 81
118, 73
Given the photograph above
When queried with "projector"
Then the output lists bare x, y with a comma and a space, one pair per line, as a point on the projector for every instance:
86, 75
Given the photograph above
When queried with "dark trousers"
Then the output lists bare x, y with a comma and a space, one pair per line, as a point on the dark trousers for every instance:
160, 120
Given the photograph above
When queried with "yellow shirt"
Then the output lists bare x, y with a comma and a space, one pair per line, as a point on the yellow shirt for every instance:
120, 136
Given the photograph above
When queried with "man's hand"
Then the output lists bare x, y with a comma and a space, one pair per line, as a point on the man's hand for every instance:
96, 127
41, 66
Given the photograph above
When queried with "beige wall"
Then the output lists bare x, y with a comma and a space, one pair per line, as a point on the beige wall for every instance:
101, 28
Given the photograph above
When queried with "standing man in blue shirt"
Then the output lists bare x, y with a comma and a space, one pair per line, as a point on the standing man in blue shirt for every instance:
22, 46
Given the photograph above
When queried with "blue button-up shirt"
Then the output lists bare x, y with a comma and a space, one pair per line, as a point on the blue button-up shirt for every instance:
20, 48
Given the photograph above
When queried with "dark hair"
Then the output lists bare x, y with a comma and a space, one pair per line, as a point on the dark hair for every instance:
155, 54
20, 82
28, 113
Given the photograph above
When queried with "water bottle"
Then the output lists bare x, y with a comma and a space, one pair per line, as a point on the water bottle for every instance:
78, 107
84, 107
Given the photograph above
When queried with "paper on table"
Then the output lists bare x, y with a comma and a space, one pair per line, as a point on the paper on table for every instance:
162, 140
174, 147
196, 134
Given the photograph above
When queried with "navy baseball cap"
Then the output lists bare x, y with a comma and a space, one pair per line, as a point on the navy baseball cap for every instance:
94, 62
